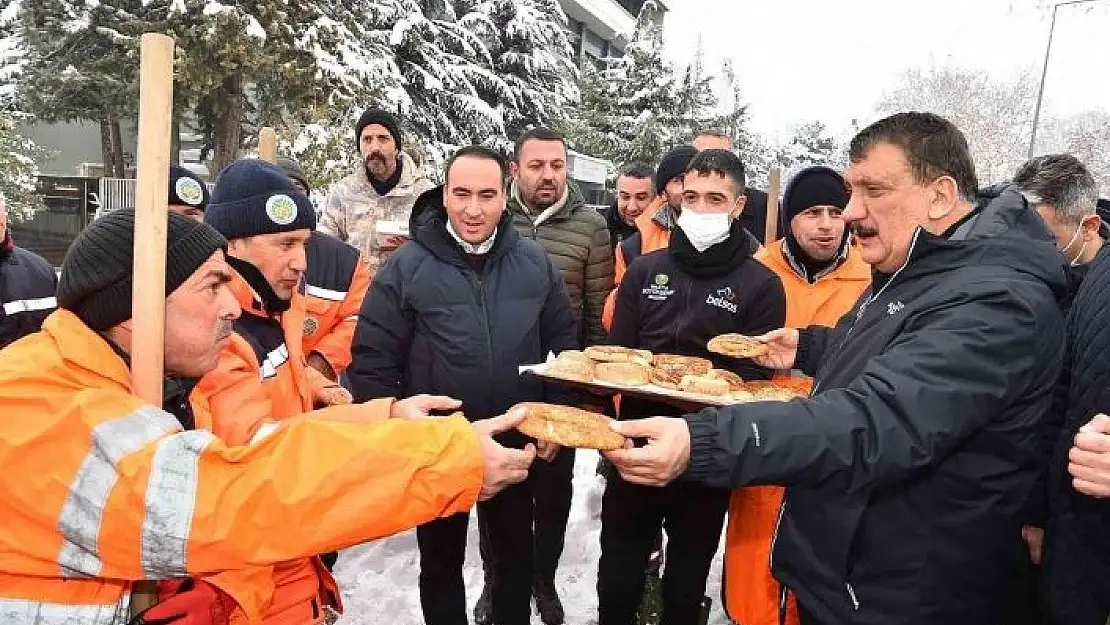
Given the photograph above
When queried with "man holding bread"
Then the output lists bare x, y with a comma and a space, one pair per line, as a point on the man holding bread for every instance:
672, 302
459, 310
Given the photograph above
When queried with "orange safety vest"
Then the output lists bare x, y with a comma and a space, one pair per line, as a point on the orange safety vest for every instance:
99, 490
752, 595
652, 237
333, 303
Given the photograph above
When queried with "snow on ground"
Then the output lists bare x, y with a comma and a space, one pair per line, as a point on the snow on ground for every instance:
379, 580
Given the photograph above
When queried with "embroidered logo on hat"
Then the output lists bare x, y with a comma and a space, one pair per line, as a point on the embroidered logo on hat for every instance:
281, 209
189, 191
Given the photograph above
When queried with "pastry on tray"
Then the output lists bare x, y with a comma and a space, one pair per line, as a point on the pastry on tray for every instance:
623, 373
737, 346
615, 353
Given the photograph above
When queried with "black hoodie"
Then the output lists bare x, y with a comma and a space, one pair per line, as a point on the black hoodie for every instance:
908, 466
431, 323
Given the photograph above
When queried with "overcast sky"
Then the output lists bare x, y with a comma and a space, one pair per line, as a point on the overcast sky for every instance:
799, 60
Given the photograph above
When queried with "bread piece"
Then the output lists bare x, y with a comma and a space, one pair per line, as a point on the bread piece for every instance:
771, 391
742, 397
615, 353
704, 385
574, 355
623, 373
571, 369
569, 427
683, 365
737, 346
666, 378
735, 382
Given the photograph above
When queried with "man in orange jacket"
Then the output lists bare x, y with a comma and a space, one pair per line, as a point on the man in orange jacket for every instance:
823, 276
335, 284
102, 490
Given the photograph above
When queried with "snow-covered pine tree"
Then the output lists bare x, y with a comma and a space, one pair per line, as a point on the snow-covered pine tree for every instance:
18, 156
811, 145
531, 52
81, 65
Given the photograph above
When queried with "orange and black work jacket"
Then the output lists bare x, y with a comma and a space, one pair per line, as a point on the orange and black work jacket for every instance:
100, 490
334, 287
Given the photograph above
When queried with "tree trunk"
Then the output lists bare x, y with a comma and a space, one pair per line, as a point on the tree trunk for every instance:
229, 123
106, 146
175, 137
119, 168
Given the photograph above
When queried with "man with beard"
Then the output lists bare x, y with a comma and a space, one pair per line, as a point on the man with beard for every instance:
456, 312
27, 284
907, 468
382, 190
824, 276
635, 193
675, 300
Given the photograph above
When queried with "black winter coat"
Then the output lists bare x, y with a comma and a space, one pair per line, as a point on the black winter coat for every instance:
27, 287
1076, 565
908, 466
432, 324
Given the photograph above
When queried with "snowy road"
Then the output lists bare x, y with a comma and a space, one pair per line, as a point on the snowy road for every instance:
379, 579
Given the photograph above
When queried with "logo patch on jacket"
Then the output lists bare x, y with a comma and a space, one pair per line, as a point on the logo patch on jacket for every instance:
724, 298
311, 325
658, 290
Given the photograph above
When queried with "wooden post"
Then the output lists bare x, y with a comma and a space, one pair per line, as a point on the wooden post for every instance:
774, 183
148, 300
267, 144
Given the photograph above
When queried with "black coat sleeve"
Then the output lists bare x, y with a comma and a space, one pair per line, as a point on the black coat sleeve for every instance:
812, 343
383, 336
558, 331
625, 330
955, 366
767, 313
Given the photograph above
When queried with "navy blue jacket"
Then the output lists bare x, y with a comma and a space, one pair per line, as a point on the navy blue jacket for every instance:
1076, 564
27, 287
433, 324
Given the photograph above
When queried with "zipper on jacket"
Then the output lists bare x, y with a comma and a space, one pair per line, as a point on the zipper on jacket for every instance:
480, 292
852, 596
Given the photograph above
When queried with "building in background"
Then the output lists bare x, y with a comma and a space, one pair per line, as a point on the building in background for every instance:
601, 28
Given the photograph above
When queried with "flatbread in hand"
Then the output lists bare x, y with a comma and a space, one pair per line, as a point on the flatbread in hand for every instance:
569, 427
737, 346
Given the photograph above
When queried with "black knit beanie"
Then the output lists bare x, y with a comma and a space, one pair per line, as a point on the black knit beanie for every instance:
96, 280
813, 186
187, 189
673, 165
382, 118
255, 197
293, 169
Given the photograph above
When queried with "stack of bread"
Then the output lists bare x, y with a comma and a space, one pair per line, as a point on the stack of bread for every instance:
623, 366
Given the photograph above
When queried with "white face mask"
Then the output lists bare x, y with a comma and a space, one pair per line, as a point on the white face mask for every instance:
704, 229
1082, 249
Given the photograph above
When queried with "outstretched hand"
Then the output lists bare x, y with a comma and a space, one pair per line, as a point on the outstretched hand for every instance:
665, 457
782, 349
503, 466
420, 406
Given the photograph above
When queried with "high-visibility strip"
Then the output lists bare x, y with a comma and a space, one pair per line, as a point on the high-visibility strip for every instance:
273, 360
322, 293
170, 501
29, 305
24, 612
83, 510
265, 430
352, 318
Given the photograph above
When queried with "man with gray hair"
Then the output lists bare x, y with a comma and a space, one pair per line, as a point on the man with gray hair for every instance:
27, 285
1066, 196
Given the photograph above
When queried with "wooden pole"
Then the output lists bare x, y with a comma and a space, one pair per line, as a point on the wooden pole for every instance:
267, 144
148, 300
774, 183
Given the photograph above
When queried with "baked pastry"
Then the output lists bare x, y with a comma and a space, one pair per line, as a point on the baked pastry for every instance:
704, 385
684, 365
573, 354
666, 378
770, 391
615, 353
735, 382
569, 427
571, 369
742, 396
623, 373
737, 346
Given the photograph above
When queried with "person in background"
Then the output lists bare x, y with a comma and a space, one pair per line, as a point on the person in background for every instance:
754, 218
189, 196
27, 285
675, 300
635, 193
456, 312
335, 283
824, 277
382, 189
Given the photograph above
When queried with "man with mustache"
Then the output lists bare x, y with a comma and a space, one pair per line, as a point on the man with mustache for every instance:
548, 209
824, 276
457, 312
382, 190
907, 468
102, 491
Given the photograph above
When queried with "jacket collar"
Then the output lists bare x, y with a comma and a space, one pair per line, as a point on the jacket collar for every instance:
428, 225
572, 199
851, 268
410, 175
83, 347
